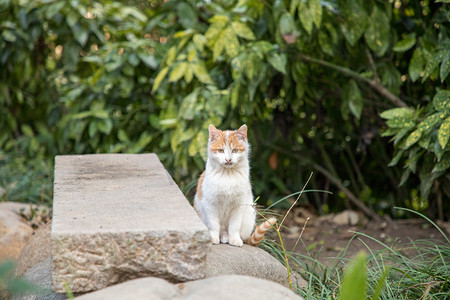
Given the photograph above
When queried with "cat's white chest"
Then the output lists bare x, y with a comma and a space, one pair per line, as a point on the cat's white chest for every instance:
229, 187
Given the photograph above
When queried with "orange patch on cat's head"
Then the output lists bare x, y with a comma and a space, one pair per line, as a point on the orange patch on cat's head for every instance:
218, 139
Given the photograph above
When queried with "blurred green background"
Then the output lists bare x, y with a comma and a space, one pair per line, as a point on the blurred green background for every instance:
354, 91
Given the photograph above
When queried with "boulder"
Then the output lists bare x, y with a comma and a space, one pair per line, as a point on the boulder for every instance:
14, 229
40, 274
224, 259
236, 287
36, 250
347, 217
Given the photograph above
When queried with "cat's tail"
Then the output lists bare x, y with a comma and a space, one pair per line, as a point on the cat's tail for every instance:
258, 235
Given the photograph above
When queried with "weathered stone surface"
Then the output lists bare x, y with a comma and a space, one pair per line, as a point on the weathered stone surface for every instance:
234, 287
14, 230
118, 217
35, 251
247, 260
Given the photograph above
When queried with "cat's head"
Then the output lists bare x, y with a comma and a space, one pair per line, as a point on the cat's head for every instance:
228, 147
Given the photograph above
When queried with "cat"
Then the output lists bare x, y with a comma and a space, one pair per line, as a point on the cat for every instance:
224, 199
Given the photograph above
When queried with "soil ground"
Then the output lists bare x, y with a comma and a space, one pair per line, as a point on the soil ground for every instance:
324, 239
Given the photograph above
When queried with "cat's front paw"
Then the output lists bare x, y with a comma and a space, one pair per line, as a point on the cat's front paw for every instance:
236, 242
215, 239
224, 238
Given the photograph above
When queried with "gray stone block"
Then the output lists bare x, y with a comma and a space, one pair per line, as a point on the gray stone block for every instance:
119, 216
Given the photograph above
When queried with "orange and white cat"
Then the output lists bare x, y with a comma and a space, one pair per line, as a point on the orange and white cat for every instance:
224, 199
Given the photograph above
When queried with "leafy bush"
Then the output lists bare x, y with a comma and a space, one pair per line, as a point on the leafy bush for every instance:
83, 77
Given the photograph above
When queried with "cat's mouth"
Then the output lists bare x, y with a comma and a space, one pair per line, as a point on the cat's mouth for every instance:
228, 163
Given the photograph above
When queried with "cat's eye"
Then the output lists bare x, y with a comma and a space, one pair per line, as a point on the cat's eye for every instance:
235, 150
220, 150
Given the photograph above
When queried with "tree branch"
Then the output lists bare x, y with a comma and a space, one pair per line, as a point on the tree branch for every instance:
373, 83
333, 179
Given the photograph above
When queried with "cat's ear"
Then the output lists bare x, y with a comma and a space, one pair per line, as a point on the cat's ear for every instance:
213, 133
241, 133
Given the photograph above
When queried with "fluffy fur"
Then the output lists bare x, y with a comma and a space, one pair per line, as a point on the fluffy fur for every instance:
224, 199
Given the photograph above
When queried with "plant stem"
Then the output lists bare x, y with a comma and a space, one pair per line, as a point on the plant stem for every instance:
285, 257
373, 83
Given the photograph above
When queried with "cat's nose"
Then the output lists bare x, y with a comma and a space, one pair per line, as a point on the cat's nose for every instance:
228, 160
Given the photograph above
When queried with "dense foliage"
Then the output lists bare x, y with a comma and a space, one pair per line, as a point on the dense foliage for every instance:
320, 84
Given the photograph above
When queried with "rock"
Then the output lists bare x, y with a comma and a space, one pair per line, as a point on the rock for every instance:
36, 250
40, 274
14, 230
236, 287
347, 217
119, 216
247, 260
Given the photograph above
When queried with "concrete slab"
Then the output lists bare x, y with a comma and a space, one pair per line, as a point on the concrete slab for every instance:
121, 216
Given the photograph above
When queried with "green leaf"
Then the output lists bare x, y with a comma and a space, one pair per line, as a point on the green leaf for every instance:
148, 60
416, 64
443, 164
186, 15
287, 24
412, 138
404, 177
378, 34
159, 78
441, 101
235, 95
80, 33
444, 133
198, 144
353, 97
380, 284
189, 74
278, 61
400, 123
105, 126
354, 283
242, 30
306, 17
219, 19
325, 43
445, 66
214, 32
231, 42
315, 9
143, 141
188, 106
27, 130
199, 41
219, 45
428, 124
309, 13
355, 100
406, 43
171, 55
356, 21
396, 158
201, 73
402, 112
178, 71
432, 63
